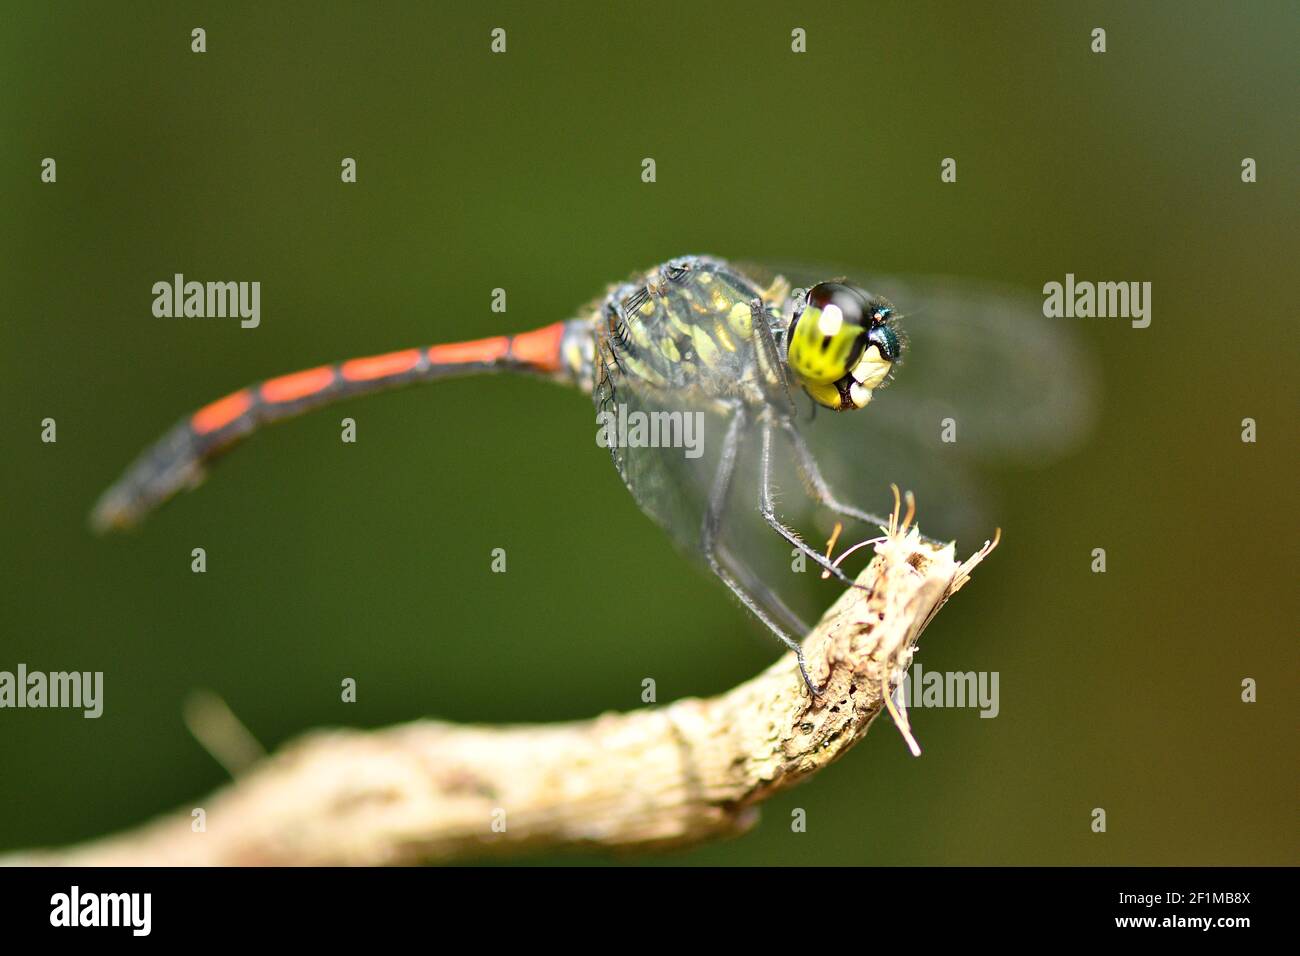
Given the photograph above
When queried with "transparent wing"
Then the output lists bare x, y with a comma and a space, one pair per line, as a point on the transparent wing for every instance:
985, 379
1017, 385
982, 367
673, 480
665, 450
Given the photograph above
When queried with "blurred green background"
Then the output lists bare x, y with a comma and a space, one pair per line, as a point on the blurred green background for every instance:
475, 171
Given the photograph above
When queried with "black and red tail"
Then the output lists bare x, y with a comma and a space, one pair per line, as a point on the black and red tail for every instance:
177, 460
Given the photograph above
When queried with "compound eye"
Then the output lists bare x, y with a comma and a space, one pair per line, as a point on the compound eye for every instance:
850, 302
829, 335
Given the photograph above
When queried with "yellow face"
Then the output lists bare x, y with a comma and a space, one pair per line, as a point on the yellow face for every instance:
841, 345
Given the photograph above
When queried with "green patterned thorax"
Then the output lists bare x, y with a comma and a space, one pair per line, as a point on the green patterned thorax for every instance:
685, 327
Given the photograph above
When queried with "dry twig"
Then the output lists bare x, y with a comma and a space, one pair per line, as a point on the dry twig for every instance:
691, 771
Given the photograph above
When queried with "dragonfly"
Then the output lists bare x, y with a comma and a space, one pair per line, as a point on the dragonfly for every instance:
709, 377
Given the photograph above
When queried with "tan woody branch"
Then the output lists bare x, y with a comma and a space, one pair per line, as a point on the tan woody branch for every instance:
690, 771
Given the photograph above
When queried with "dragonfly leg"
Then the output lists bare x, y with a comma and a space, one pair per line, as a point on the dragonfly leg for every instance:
817, 485
769, 512
769, 357
821, 490
788, 619
712, 524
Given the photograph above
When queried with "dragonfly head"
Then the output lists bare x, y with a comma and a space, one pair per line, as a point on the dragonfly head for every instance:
842, 344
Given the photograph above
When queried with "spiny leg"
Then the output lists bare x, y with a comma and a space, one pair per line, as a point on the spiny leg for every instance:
718, 496
768, 354
768, 510
818, 486
821, 490
791, 621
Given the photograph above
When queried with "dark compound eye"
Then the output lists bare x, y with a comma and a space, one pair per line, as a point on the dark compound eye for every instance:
851, 302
